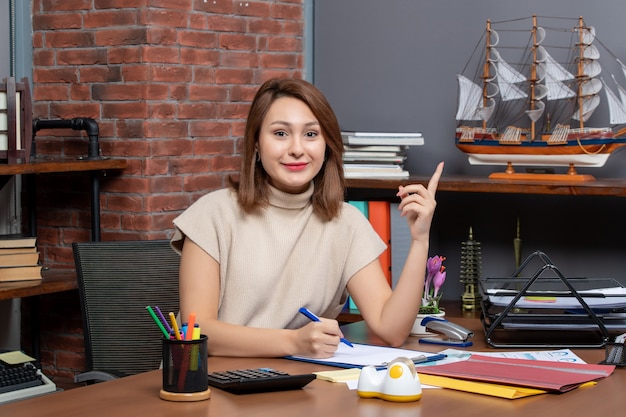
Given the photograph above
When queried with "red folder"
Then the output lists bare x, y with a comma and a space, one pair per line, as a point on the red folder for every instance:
546, 375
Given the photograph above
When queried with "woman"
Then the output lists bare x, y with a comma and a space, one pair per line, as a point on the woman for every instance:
281, 237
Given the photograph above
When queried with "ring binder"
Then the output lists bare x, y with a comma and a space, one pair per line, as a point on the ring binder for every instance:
549, 311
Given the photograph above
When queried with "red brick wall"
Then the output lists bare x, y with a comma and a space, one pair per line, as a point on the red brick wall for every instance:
169, 82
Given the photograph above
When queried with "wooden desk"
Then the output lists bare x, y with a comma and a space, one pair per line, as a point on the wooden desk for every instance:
139, 395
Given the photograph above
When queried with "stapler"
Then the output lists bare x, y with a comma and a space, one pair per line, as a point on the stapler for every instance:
455, 335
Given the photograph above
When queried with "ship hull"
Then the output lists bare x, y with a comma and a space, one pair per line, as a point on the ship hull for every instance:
579, 152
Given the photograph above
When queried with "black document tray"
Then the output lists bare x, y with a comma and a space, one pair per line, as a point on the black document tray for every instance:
550, 311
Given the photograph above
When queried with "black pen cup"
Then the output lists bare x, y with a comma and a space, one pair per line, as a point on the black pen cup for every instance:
185, 370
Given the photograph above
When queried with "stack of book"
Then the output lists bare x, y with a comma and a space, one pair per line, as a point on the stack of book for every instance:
19, 258
377, 154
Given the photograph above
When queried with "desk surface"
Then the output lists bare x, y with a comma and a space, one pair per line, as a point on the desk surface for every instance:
139, 395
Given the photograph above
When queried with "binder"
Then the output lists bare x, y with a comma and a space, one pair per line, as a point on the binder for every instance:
379, 217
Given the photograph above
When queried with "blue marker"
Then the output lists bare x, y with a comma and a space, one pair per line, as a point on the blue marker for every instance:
313, 317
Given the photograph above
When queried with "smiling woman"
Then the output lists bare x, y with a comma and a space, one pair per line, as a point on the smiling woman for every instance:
282, 238
291, 145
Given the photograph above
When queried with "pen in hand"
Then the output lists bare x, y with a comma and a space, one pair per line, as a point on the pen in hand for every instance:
313, 317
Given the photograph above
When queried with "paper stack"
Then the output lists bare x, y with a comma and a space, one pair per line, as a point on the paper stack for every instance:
377, 154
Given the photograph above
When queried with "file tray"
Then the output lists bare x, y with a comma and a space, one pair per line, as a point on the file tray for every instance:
550, 311
615, 354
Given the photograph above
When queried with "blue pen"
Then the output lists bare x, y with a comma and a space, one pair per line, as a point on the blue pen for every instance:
313, 317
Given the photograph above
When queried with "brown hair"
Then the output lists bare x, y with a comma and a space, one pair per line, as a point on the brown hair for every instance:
253, 183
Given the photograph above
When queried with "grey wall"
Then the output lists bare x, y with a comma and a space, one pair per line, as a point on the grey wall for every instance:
392, 65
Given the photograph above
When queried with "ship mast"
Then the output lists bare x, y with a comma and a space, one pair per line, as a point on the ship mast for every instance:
533, 76
581, 72
486, 66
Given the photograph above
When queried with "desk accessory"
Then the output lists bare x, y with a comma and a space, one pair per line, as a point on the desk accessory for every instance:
399, 383
616, 351
550, 311
454, 334
470, 273
248, 381
185, 370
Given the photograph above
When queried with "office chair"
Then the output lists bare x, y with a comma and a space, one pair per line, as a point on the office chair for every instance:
116, 281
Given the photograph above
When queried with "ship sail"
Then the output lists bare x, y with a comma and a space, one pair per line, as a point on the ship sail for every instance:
590, 87
507, 77
470, 101
617, 110
554, 75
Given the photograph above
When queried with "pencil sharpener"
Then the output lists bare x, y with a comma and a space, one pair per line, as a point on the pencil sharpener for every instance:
398, 382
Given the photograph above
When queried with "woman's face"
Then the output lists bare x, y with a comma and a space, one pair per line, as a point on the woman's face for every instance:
291, 145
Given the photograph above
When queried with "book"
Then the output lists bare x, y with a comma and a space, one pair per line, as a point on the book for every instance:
17, 241
379, 217
382, 138
362, 205
20, 273
19, 259
359, 171
10, 251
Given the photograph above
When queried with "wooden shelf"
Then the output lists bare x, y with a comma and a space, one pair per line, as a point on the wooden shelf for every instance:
53, 281
41, 165
600, 187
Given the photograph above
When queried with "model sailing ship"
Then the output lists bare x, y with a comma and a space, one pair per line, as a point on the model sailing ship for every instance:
534, 112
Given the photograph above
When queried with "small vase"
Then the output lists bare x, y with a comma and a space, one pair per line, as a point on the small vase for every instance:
418, 329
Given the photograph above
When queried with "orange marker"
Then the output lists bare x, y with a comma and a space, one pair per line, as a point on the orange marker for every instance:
190, 326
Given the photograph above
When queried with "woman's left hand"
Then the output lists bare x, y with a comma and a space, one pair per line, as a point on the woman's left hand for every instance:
418, 204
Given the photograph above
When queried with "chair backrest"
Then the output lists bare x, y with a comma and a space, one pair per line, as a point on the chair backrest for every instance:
116, 281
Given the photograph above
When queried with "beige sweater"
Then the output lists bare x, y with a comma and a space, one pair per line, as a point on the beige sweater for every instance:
283, 258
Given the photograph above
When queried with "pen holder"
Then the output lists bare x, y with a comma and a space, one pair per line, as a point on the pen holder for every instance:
185, 370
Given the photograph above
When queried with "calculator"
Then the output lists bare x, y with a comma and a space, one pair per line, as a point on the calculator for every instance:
248, 381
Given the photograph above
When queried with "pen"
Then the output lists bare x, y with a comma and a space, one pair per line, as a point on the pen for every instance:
313, 317
175, 326
158, 322
162, 317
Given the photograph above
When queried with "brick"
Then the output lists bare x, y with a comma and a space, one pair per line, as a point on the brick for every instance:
52, 92
204, 183
162, 17
125, 54
116, 37
116, 92
189, 166
161, 54
252, 8
197, 111
224, 23
66, 5
58, 21
239, 59
232, 111
197, 38
287, 11
100, 74
55, 75
284, 44
69, 39
171, 147
109, 18
171, 73
125, 110
162, 36
215, 147
225, 163
207, 92
287, 61
124, 203
212, 129
158, 203
234, 76
237, 42
68, 111
196, 56
166, 129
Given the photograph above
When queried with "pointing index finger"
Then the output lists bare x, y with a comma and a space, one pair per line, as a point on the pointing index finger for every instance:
434, 180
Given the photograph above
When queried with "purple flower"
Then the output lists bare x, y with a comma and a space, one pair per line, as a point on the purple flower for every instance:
435, 277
